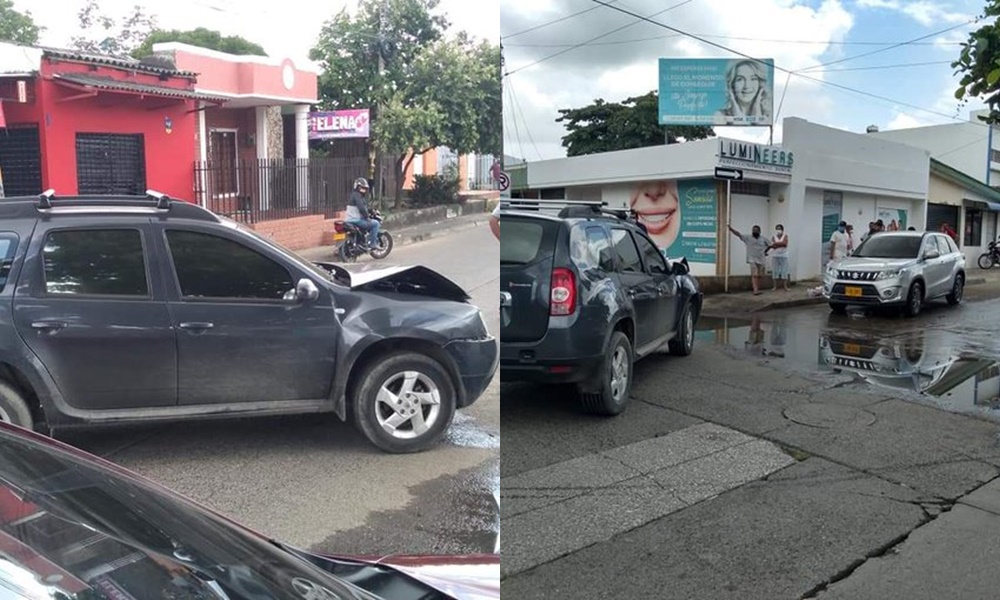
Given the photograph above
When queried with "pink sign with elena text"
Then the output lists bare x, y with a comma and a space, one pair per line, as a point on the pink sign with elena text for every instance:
339, 124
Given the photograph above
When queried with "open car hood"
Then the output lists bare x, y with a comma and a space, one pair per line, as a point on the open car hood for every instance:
416, 280
463, 577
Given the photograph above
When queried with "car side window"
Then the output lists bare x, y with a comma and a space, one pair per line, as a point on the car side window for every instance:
8, 244
651, 257
943, 246
626, 252
952, 245
209, 266
91, 262
590, 248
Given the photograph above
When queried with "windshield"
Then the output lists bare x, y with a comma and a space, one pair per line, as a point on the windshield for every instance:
890, 246
71, 530
305, 264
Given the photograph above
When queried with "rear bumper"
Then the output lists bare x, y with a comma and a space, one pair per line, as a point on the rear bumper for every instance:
477, 362
574, 370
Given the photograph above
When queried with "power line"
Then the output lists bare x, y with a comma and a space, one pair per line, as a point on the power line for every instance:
741, 38
517, 131
887, 48
778, 67
527, 128
553, 22
603, 35
883, 67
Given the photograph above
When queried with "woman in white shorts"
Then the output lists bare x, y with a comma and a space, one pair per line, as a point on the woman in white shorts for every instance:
779, 256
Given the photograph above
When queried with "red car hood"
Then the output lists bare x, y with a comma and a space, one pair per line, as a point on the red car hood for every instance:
468, 577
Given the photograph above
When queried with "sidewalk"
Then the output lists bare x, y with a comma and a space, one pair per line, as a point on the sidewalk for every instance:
411, 235
981, 285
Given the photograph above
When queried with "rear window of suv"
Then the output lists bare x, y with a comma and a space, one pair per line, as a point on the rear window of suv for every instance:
521, 240
8, 244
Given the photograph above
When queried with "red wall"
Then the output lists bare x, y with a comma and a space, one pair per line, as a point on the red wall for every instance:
169, 156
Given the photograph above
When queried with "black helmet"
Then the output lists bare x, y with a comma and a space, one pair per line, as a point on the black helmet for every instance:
361, 182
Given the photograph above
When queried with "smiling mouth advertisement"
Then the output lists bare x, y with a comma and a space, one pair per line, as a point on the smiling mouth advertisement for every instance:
681, 217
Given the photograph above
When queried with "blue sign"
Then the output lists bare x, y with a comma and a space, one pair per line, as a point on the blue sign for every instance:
716, 91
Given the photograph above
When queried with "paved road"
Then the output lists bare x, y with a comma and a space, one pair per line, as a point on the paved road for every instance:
316, 483
758, 468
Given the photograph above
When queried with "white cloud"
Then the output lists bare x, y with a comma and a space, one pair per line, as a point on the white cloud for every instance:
925, 12
613, 70
906, 121
286, 29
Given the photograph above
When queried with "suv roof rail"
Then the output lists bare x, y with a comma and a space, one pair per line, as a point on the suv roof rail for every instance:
45, 198
162, 200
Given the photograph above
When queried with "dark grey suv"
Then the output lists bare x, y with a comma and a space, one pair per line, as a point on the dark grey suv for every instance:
118, 310
585, 294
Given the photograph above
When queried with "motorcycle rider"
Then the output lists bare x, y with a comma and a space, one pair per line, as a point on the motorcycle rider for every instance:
358, 213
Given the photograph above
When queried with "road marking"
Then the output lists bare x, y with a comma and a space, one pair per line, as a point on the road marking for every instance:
560, 509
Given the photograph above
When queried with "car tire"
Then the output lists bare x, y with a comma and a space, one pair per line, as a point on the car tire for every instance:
612, 393
838, 309
683, 343
914, 300
13, 408
374, 416
957, 290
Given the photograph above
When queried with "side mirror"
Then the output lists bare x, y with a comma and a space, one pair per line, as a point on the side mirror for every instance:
681, 267
305, 291
931, 254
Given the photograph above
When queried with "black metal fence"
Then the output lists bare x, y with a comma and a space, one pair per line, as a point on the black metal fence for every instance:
251, 191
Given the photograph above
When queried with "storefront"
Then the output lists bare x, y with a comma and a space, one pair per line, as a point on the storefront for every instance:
816, 178
966, 204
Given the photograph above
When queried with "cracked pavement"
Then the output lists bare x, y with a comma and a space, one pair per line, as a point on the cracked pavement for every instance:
860, 494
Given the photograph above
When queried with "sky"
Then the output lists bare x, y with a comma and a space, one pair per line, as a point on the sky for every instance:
286, 29
914, 82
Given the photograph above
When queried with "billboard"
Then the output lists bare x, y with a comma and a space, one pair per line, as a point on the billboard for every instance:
339, 124
716, 91
681, 217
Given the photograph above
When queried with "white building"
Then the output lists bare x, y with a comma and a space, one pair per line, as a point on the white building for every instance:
816, 178
972, 147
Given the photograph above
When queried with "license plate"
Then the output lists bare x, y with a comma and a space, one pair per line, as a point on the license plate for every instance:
339, 236
854, 292
852, 349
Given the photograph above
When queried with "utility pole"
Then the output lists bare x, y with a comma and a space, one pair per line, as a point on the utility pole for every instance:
383, 21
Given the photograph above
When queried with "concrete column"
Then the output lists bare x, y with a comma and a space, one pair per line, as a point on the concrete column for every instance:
260, 114
202, 154
302, 152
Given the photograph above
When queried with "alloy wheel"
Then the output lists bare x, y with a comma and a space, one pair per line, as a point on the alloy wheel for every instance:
408, 405
619, 373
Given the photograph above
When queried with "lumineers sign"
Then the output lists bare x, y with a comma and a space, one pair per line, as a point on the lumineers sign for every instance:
755, 157
339, 124
713, 91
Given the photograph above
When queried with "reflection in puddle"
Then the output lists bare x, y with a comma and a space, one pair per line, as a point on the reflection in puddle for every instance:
938, 366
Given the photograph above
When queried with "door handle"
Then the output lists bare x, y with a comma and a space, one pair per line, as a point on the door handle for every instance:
48, 325
197, 326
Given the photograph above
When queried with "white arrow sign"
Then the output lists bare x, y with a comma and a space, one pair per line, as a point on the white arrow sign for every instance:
731, 174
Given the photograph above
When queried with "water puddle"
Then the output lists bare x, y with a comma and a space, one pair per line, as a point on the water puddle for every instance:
908, 359
466, 432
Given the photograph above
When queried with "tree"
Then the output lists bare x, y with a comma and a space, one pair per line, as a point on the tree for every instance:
108, 35
201, 37
632, 123
428, 92
17, 27
979, 63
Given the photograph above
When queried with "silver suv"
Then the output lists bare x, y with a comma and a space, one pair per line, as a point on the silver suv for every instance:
903, 268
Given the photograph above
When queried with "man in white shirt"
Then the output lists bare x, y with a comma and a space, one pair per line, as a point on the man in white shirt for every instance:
840, 243
495, 222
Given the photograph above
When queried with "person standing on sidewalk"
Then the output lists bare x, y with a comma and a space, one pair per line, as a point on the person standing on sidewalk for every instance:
756, 245
840, 243
495, 222
779, 257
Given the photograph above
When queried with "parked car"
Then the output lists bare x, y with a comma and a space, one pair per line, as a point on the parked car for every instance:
132, 309
75, 527
584, 294
900, 268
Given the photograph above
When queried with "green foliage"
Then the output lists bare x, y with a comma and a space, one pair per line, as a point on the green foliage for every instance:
203, 38
632, 123
17, 27
978, 64
432, 190
108, 35
429, 92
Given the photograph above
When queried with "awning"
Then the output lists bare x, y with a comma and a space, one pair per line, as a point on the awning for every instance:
993, 206
84, 82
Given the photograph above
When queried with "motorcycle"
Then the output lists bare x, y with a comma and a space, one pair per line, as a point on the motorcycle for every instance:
355, 240
991, 257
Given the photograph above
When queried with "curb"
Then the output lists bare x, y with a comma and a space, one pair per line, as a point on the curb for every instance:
416, 238
790, 304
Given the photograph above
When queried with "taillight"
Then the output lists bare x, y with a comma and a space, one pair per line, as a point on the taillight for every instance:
563, 295
338, 226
